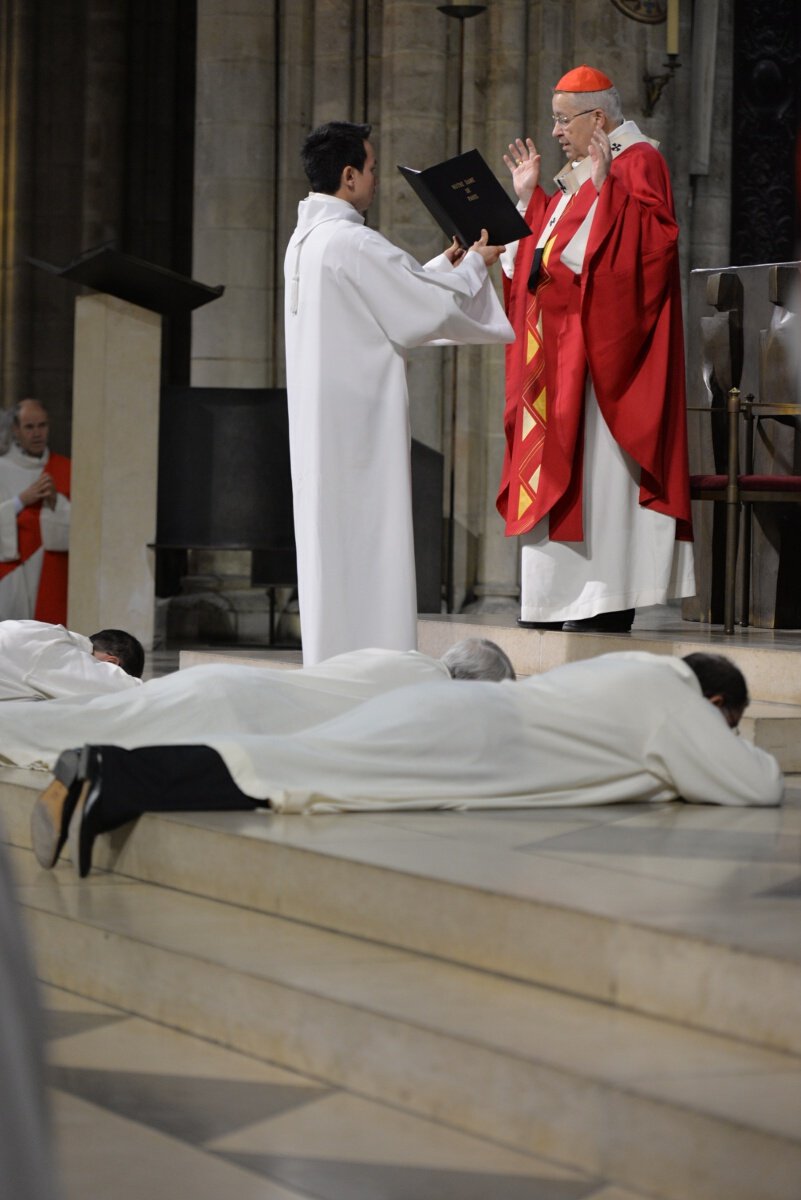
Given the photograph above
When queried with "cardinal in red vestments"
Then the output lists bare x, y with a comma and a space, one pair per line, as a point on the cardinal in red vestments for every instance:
596, 474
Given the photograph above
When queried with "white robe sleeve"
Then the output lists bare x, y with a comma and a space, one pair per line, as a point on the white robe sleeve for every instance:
61, 669
9, 549
415, 307
55, 525
709, 764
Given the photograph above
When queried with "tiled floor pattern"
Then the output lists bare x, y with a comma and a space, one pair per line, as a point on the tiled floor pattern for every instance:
143, 1111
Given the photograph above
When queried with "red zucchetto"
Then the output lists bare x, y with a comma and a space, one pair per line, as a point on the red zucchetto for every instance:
584, 79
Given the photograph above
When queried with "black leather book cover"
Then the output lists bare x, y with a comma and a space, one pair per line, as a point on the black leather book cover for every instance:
464, 197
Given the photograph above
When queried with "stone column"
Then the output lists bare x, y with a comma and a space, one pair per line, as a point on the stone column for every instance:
465, 451
496, 587
297, 78
16, 192
414, 100
710, 215
104, 121
235, 193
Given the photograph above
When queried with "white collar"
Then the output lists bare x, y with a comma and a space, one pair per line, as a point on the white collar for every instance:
573, 175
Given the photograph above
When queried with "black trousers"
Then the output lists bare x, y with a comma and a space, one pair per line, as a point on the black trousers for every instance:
163, 779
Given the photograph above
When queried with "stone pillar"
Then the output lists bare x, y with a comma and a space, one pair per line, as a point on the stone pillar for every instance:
297, 79
413, 131
16, 191
114, 466
496, 587
474, 388
709, 222
104, 121
235, 193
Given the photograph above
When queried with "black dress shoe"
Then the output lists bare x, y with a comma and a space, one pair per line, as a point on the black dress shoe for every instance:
84, 826
608, 622
539, 624
51, 814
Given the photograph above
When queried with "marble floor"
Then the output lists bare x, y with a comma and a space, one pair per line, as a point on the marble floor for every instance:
141, 1110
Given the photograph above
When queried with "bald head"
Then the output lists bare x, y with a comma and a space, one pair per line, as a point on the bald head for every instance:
31, 427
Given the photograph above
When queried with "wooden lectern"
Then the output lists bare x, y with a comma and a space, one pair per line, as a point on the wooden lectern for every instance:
115, 396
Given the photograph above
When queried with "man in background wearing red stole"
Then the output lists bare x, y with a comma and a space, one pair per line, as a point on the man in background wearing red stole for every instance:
596, 473
34, 521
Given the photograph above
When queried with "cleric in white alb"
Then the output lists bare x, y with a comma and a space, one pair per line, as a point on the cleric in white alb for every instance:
621, 727
355, 304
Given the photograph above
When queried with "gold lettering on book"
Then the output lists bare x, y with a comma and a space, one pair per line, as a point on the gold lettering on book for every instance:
466, 185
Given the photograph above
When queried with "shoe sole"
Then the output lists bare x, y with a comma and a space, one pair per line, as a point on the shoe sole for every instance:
49, 821
52, 811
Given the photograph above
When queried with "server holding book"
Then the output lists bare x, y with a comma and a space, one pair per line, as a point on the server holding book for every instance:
355, 305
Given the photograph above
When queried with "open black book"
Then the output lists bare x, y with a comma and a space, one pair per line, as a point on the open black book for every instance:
464, 197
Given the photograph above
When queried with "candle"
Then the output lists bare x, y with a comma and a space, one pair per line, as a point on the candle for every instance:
672, 26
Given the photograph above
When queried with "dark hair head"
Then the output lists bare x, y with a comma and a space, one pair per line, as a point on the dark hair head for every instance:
329, 149
123, 646
718, 676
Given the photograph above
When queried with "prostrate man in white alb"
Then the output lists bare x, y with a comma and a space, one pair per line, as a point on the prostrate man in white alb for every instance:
622, 727
355, 304
221, 699
48, 662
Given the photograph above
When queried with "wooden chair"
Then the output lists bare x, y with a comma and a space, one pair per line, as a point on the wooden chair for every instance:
735, 483
722, 337
724, 488
777, 406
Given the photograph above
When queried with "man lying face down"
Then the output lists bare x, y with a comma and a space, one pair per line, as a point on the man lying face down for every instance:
39, 661
217, 699
622, 727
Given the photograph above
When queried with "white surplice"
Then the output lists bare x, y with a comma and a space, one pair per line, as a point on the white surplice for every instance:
629, 558
48, 662
197, 704
354, 305
621, 727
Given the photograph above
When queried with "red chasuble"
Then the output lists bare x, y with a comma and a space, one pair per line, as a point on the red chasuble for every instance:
620, 320
51, 597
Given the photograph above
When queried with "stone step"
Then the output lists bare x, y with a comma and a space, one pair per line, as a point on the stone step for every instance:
659, 926
670, 1111
769, 661
282, 659
777, 729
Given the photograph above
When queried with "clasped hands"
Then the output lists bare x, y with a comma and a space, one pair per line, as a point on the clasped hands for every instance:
43, 489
